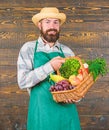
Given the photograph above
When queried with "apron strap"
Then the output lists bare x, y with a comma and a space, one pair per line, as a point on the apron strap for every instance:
36, 46
62, 52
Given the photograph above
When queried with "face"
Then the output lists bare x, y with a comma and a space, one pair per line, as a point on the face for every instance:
49, 29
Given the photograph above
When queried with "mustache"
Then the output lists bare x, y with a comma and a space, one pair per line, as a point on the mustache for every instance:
55, 30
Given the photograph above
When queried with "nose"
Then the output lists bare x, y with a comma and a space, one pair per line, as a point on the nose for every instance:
52, 25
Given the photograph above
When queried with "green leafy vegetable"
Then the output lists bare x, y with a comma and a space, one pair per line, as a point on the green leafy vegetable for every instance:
70, 67
97, 67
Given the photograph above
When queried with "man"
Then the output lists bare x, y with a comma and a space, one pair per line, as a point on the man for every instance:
37, 59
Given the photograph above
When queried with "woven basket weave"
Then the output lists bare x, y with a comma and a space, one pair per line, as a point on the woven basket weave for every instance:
79, 91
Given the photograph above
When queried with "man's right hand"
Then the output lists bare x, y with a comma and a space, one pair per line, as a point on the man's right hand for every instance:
57, 62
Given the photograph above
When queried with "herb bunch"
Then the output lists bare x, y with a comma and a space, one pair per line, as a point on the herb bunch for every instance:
97, 67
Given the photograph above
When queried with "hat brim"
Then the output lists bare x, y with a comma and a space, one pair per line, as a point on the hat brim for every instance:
61, 16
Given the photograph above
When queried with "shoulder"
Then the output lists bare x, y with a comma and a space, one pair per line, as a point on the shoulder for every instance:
28, 45
67, 51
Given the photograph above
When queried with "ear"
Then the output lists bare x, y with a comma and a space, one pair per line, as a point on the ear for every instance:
39, 25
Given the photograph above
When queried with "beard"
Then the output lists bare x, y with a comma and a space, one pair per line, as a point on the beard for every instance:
50, 37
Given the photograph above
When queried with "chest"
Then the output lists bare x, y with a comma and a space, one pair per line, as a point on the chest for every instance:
41, 58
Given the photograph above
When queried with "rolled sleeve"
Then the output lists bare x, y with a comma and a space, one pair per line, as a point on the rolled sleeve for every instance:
42, 72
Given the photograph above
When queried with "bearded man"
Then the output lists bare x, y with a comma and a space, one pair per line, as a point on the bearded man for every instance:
36, 61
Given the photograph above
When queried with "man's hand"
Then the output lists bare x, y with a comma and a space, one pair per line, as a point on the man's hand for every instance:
57, 62
72, 101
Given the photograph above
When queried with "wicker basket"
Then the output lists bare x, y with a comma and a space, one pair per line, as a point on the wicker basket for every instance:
79, 91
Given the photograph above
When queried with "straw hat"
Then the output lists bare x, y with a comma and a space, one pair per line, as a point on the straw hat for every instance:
49, 12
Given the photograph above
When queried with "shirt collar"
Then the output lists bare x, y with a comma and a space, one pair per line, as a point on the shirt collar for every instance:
57, 44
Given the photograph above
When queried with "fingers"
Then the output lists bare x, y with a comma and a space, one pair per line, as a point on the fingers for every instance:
57, 62
72, 101
69, 101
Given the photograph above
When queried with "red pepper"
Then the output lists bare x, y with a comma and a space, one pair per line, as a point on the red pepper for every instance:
80, 71
86, 67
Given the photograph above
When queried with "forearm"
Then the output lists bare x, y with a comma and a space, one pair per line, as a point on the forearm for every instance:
29, 78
